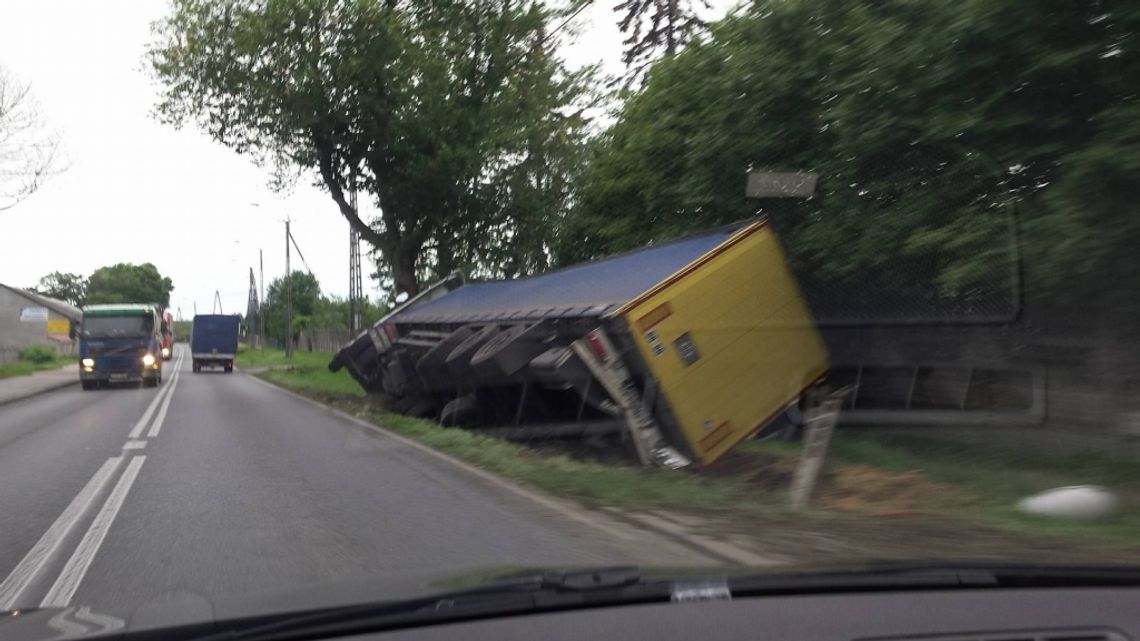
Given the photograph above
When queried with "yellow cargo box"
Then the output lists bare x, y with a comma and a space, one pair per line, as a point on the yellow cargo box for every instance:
728, 340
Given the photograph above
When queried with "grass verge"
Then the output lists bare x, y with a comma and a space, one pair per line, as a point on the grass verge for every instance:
255, 358
24, 368
984, 482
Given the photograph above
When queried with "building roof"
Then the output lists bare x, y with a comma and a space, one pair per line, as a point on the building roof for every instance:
115, 309
586, 290
62, 308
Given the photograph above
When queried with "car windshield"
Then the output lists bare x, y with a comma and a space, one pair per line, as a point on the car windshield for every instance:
684, 285
117, 326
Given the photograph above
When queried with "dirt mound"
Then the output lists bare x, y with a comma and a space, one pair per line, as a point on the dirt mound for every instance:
863, 488
846, 487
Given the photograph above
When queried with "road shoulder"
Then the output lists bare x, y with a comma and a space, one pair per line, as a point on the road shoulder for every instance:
18, 388
672, 541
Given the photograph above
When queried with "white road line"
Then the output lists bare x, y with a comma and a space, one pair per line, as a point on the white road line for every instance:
38, 556
67, 583
134, 445
157, 425
137, 430
141, 425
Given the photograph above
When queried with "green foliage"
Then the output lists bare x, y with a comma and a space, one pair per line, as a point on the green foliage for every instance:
333, 313
927, 123
306, 295
39, 354
71, 288
34, 359
431, 109
311, 309
182, 331
127, 283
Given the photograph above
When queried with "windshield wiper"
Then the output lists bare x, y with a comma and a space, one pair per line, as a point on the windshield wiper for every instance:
925, 575
524, 593
600, 587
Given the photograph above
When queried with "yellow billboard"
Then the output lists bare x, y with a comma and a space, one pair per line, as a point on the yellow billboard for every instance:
59, 328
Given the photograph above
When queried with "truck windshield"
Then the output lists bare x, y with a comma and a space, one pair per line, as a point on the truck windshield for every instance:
117, 326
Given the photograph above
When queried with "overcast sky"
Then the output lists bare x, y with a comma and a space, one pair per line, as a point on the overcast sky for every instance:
149, 193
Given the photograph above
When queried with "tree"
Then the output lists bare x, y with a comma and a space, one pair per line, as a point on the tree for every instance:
64, 286
28, 154
127, 283
655, 29
305, 292
421, 106
927, 122
332, 312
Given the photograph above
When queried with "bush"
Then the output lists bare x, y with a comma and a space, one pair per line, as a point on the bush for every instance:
38, 354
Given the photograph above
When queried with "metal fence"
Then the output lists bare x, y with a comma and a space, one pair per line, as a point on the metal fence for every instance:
323, 340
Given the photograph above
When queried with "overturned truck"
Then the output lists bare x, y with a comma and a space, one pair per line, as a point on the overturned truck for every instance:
686, 348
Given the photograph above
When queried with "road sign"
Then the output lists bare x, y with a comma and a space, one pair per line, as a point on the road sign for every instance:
33, 314
781, 184
59, 327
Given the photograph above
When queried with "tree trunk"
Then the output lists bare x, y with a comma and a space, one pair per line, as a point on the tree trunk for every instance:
402, 260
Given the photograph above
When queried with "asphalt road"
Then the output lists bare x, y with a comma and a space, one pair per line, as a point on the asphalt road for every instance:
214, 487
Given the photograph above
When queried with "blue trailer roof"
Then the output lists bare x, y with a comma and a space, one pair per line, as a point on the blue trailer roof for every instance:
587, 290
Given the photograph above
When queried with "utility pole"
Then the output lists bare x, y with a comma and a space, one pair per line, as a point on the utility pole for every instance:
288, 295
252, 311
261, 306
355, 282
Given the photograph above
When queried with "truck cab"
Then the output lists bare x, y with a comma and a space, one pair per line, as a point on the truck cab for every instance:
120, 343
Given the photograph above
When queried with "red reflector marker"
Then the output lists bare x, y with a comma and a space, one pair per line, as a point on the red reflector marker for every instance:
597, 346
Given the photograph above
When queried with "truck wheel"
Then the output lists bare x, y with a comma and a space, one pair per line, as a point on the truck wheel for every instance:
423, 408
196, 367
459, 411
150, 382
89, 385
229, 369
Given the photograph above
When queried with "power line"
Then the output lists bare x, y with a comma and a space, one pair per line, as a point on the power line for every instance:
548, 37
302, 256
585, 3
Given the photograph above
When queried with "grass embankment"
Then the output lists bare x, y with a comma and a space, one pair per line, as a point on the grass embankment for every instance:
25, 367
867, 473
306, 372
899, 473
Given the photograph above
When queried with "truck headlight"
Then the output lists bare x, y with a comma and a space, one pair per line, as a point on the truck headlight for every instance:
148, 360
88, 362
